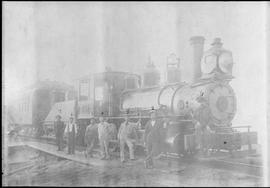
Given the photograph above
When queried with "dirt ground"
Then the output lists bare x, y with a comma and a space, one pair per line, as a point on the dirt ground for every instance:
47, 170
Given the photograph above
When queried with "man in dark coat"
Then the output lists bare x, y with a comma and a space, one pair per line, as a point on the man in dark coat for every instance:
152, 139
59, 128
91, 137
163, 134
202, 125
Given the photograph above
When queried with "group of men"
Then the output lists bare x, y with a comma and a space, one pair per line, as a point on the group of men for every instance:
69, 130
154, 136
102, 132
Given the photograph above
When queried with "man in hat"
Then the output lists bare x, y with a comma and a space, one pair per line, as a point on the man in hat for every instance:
152, 138
91, 137
163, 133
127, 134
202, 125
188, 112
104, 137
71, 131
59, 128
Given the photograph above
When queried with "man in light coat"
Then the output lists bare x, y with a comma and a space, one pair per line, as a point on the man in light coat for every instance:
127, 134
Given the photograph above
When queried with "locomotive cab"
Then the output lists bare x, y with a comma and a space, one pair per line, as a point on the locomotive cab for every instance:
100, 93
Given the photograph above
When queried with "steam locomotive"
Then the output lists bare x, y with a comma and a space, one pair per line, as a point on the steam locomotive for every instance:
209, 99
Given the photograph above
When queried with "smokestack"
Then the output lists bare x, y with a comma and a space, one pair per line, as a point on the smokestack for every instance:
198, 43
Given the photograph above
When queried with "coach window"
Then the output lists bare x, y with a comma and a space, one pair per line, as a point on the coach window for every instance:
91, 89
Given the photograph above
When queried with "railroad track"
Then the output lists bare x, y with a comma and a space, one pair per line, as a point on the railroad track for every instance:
223, 163
246, 168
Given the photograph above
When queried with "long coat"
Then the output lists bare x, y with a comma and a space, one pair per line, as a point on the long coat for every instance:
202, 114
154, 131
59, 128
91, 133
152, 137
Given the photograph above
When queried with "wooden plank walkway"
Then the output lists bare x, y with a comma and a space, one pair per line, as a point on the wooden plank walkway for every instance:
77, 157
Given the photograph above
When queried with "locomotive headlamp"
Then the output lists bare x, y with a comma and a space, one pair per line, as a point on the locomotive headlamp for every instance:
225, 62
209, 63
217, 59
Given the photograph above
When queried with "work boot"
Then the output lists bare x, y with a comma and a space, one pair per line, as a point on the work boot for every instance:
123, 161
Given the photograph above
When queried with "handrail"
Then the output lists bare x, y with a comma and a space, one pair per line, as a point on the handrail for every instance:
244, 126
132, 117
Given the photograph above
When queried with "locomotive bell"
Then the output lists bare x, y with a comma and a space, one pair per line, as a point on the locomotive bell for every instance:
151, 76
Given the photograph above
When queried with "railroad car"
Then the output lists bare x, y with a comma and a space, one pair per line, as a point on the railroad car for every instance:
28, 111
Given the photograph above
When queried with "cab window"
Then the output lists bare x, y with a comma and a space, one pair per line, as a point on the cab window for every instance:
131, 83
83, 90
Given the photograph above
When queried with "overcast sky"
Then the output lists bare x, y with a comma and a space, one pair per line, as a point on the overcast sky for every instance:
63, 41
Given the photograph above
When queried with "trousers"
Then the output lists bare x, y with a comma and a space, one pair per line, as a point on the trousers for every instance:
129, 142
60, 141
71, 142
104, 146
90, 146
152, 149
